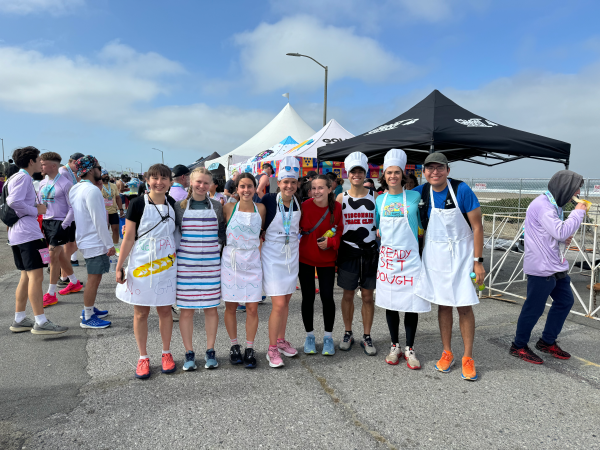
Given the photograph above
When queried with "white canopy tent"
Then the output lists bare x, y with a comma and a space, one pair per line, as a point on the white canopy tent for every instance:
286, 123
330, 133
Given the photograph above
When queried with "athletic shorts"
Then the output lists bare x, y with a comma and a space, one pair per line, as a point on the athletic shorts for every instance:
97, 265
27, 255
71, 232
113, 219
54, 232
350, 281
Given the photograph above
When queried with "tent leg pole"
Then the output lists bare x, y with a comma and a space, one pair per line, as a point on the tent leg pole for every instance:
431, 149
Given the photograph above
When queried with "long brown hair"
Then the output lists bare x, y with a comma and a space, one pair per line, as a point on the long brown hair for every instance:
197, 171
330, 197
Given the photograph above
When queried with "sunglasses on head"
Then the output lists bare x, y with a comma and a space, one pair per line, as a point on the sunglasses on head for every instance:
289, 168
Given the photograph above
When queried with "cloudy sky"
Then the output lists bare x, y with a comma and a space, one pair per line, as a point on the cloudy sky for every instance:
116, 78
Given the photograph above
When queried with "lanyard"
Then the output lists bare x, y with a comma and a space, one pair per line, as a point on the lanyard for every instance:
47, 190
27, 173
559, 210
287, 220
109, 192
72, 174
178, 185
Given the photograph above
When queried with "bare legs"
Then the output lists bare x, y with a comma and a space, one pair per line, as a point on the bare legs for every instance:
251, 320
140, 326
186, 327
466, 321
368, 309
278, 317
89, 294
115, 233
30, 286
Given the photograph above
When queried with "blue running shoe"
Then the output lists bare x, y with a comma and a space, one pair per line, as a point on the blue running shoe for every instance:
241, 308
309, 345
94, 322
75, 263
99, 313
190, 361
211, 359
328, 346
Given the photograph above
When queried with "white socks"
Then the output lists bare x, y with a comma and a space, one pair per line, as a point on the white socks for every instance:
88, 312
74, 256
310, 333
72, 278
166, 352
51, 289
19, 316
64, 278
328, 334
144, 357
41, 319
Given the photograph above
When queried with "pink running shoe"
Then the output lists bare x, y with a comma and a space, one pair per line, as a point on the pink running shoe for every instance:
49, 300
274, 357
71, 288
286, 348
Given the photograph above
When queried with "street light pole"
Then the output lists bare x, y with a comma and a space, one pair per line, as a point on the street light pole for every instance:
161, 153
326, 71
141, 169
2, 149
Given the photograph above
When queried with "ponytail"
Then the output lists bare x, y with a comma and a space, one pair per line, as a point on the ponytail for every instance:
331, 198
185, 201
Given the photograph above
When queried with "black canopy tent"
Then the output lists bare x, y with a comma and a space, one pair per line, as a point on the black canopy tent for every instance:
437, 124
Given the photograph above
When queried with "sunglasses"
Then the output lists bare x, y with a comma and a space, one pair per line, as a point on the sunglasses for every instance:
98, 167
289, 168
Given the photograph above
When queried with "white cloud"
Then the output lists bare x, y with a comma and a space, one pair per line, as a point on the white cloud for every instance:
265, 65
39, 6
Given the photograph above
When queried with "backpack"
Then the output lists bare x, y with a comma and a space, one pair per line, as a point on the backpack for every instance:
448, 203
7, 214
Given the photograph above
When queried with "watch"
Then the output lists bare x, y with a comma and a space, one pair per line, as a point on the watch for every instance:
478, 260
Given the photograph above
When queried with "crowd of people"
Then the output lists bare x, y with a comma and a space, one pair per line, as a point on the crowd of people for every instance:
403, 246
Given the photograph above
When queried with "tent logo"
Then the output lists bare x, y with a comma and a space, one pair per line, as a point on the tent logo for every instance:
392, 126
477, 123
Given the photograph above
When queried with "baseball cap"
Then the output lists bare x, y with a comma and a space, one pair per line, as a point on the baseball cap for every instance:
311, 173
179, 170
436, 157
76, 156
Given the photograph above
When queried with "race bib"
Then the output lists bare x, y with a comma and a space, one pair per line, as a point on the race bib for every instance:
108, 202
45, 254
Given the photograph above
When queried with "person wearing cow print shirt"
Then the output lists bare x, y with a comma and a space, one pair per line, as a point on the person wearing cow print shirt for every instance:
358, 253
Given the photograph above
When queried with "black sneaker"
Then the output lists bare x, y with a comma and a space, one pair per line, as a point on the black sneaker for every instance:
235, 355
525, 354
62, 283
249, 359
553, 349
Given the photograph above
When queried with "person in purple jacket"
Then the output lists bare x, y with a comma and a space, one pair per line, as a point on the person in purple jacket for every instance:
547, 235
28, 244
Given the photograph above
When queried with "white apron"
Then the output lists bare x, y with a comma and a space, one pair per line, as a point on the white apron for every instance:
399, 264
447, 258
241, 270
151, 278
198, 260
281, 260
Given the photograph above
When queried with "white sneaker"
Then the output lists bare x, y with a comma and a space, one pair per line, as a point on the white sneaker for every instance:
175, 311
411, 359
394, 357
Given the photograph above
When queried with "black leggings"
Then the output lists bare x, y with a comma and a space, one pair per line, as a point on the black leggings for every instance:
307, 284
410, 326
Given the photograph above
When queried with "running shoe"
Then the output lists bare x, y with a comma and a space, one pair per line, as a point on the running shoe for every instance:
143, 369
235, 355
175, 311
274, 357
94, 322
468, 369
63, 283
393, 358
286, 348
24, 325
211, 359
445, 362
250, 358
48, 328
50, 300
71, 288
525, 354
263, 298
309, 345
328, 346
347, 342
168, 365
75, 263
368, 347
190, 361
553, 349
99, 313
241, 308
411, 358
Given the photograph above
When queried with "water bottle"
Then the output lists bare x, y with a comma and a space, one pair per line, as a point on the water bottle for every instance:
330, 233
480, 287
113, 262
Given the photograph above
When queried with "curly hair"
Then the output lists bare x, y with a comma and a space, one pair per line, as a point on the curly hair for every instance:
23, 155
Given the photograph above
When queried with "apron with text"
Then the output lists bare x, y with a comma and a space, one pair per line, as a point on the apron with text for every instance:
241, 270
151, 278
198, 260
447, 258
399, 264
280, 254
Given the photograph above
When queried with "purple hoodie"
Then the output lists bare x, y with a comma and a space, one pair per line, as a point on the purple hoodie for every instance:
22, 198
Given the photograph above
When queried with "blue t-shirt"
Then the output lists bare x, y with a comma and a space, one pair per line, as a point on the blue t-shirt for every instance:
393, 207
466, 198
270, 202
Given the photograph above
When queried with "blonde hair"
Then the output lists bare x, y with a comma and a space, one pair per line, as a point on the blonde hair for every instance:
197, 171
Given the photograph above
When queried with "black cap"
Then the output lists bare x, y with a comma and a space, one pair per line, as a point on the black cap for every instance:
179, 170
76, 156
435, 157
311, 174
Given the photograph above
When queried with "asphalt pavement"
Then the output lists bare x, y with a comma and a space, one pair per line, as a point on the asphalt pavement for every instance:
77, 390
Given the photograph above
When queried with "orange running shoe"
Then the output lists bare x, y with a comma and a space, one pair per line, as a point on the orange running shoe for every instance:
445, 362
71, 288
49, 300
468, 365
168, 365
143, 369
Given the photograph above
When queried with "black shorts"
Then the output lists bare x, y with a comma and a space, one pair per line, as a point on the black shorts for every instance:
54, 232
113, 219
350, 281
71, 232
27, 255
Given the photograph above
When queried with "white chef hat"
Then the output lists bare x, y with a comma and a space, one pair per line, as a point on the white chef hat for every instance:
289, 167
356, 159
395, 157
